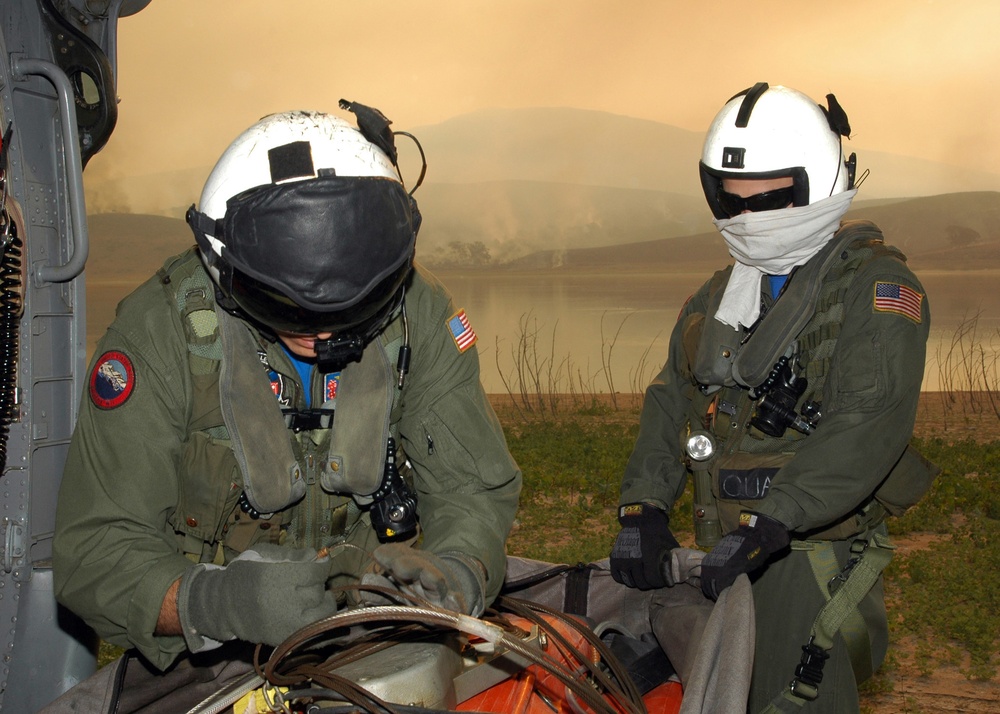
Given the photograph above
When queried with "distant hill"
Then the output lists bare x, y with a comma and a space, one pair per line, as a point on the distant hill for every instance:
956, 231
557, 145
514, 218
949, 232
561, 145
558, 226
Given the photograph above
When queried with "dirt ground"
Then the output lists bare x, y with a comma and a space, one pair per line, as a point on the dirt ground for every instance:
954, 417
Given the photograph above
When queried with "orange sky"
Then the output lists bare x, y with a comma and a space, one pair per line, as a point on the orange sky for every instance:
915, 76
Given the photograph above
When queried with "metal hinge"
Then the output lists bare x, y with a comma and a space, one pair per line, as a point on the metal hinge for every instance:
13, 541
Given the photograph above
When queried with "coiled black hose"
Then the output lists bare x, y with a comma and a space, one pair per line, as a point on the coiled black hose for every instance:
10, 315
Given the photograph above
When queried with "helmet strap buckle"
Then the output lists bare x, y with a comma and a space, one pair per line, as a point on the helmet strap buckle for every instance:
335, 353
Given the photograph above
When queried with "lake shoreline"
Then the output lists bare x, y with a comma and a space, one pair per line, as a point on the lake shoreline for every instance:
952, 416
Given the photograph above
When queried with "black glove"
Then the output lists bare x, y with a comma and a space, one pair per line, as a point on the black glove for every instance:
644, 543
453, 581
742, 551
263, 595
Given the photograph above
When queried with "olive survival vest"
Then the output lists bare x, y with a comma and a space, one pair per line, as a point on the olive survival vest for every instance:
244, 476
747, 459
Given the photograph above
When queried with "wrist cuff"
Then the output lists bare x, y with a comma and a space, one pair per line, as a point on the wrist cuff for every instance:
196, 642
471, 575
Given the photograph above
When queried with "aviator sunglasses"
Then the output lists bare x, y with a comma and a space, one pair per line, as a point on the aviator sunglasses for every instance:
734, 205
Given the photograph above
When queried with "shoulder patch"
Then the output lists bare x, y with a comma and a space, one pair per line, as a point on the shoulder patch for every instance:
461, 331
112, 380
900, 299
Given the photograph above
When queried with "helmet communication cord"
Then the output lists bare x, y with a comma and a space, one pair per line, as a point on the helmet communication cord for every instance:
403, 361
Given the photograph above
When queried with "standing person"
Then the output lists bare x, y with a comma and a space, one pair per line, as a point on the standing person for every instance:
276, 402
789, 392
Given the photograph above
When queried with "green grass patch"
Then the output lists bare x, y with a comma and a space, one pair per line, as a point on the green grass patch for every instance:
965, 487
945, 598
572, 473
948, 598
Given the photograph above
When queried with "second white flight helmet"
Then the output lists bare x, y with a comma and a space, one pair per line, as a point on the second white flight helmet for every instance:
769, 132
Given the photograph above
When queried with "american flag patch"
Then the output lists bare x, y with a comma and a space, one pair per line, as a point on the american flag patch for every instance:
893, 297
461, 331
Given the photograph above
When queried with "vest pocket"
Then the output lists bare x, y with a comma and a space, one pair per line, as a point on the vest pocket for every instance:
859, 377
742, 479
208, 490
460, 436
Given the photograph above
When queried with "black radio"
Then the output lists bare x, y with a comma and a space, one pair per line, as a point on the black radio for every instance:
776, 400
394, 504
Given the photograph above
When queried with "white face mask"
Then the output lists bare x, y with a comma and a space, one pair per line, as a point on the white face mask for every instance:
772, 243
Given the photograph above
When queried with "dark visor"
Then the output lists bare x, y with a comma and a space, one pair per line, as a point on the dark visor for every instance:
734, 204
310, 256
282, 314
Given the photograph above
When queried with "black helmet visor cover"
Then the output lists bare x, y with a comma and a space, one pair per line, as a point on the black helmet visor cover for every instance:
321, 255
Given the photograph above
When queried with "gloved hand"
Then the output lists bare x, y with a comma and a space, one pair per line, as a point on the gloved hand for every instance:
453, 581
263, 595
743, 550
642, 545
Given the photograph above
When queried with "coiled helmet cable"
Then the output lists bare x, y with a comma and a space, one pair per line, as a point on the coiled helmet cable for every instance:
11, 304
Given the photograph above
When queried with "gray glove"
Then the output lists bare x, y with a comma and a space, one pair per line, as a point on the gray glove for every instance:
264, 595
453, 581
683, 566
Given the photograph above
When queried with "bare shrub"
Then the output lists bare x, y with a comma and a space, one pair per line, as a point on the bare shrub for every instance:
539, 383
969, 372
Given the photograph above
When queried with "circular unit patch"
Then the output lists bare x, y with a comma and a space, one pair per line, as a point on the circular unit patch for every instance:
112, 381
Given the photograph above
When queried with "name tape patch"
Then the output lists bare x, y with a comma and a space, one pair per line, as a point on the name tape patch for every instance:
745, 484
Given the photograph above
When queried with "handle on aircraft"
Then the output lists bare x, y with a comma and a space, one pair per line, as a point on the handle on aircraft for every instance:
74, 168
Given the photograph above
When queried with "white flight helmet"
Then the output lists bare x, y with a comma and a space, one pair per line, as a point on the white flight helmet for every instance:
304, 223
770, 132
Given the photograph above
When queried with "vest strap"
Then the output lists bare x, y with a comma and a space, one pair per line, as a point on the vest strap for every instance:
272, 478
357, 455
856, 579
729, 357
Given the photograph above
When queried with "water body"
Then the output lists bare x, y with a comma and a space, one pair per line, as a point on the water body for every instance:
557, 321
636, 312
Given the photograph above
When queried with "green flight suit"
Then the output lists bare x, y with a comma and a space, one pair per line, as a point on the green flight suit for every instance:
151, 482
863, 357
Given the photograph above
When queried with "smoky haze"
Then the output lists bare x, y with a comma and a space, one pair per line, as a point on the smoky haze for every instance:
916, 79
503, 184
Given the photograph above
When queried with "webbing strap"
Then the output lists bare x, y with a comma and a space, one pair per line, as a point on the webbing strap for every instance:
872, 561
853, 629
860, 578
577, 595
